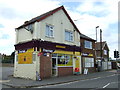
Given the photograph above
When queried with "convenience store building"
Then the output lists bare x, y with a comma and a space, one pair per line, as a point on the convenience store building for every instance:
47, 46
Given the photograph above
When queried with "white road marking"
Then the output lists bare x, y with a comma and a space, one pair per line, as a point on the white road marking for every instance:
106, 85
111, 75
57, 84
95, 78
69, 82
3, 81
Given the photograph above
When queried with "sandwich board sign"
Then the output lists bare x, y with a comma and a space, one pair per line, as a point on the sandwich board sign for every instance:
85, 71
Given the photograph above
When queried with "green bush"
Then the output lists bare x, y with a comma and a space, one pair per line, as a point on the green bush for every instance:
8, 59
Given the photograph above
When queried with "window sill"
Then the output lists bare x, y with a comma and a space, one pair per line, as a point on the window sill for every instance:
69, 41
88, 48
49, 37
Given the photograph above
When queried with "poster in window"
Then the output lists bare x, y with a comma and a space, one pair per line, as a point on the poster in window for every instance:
64, 60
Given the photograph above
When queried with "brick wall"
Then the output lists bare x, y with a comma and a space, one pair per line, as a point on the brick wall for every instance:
91, 70
90, 51
64, 71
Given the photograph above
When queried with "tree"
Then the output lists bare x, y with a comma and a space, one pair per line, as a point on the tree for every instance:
12, 56
8, 58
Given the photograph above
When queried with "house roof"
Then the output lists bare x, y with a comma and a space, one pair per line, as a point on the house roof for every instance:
47, 14
86, 37
97, 45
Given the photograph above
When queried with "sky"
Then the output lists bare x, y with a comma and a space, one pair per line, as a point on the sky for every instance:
86, 14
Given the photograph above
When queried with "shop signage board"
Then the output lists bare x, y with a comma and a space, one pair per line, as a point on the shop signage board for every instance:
48, 51
87, 54
22, 51
25, 56
58, 46
85, 71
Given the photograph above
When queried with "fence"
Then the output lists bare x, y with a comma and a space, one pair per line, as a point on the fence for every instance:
106, 65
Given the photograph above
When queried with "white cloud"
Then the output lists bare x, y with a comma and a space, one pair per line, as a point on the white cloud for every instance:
89, 14
104, 14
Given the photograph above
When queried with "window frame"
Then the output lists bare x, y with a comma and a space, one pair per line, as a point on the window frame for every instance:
48, 31
105, 52
88, 62
65, 60
70, 37
86, 44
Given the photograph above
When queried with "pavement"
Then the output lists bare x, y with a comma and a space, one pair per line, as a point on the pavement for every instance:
25, 83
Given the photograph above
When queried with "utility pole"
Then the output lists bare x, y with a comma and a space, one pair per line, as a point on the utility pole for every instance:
101, 42
101, 46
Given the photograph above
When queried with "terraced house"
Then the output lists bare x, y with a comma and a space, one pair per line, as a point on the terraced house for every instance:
88, 57
47, 45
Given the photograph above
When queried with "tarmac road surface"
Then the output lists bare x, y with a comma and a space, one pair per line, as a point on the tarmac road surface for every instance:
94, 83
6, 71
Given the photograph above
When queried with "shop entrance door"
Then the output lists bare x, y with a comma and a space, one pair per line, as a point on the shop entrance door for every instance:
54, 66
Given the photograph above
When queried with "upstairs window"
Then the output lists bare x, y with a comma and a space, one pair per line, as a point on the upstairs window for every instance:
30, 28
49, 31
88, 44
69, 36
105, 52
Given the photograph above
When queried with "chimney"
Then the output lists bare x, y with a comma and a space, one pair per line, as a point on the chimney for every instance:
25, 22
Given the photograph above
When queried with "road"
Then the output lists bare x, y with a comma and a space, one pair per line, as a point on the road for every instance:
94, 83
6, 71
110, 81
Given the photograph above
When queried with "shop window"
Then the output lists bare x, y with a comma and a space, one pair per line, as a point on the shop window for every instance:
64, 60
88, 62
54, 55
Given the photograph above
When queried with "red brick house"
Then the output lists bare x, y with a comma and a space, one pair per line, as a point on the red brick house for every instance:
105, 51
103, 62
87, 53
